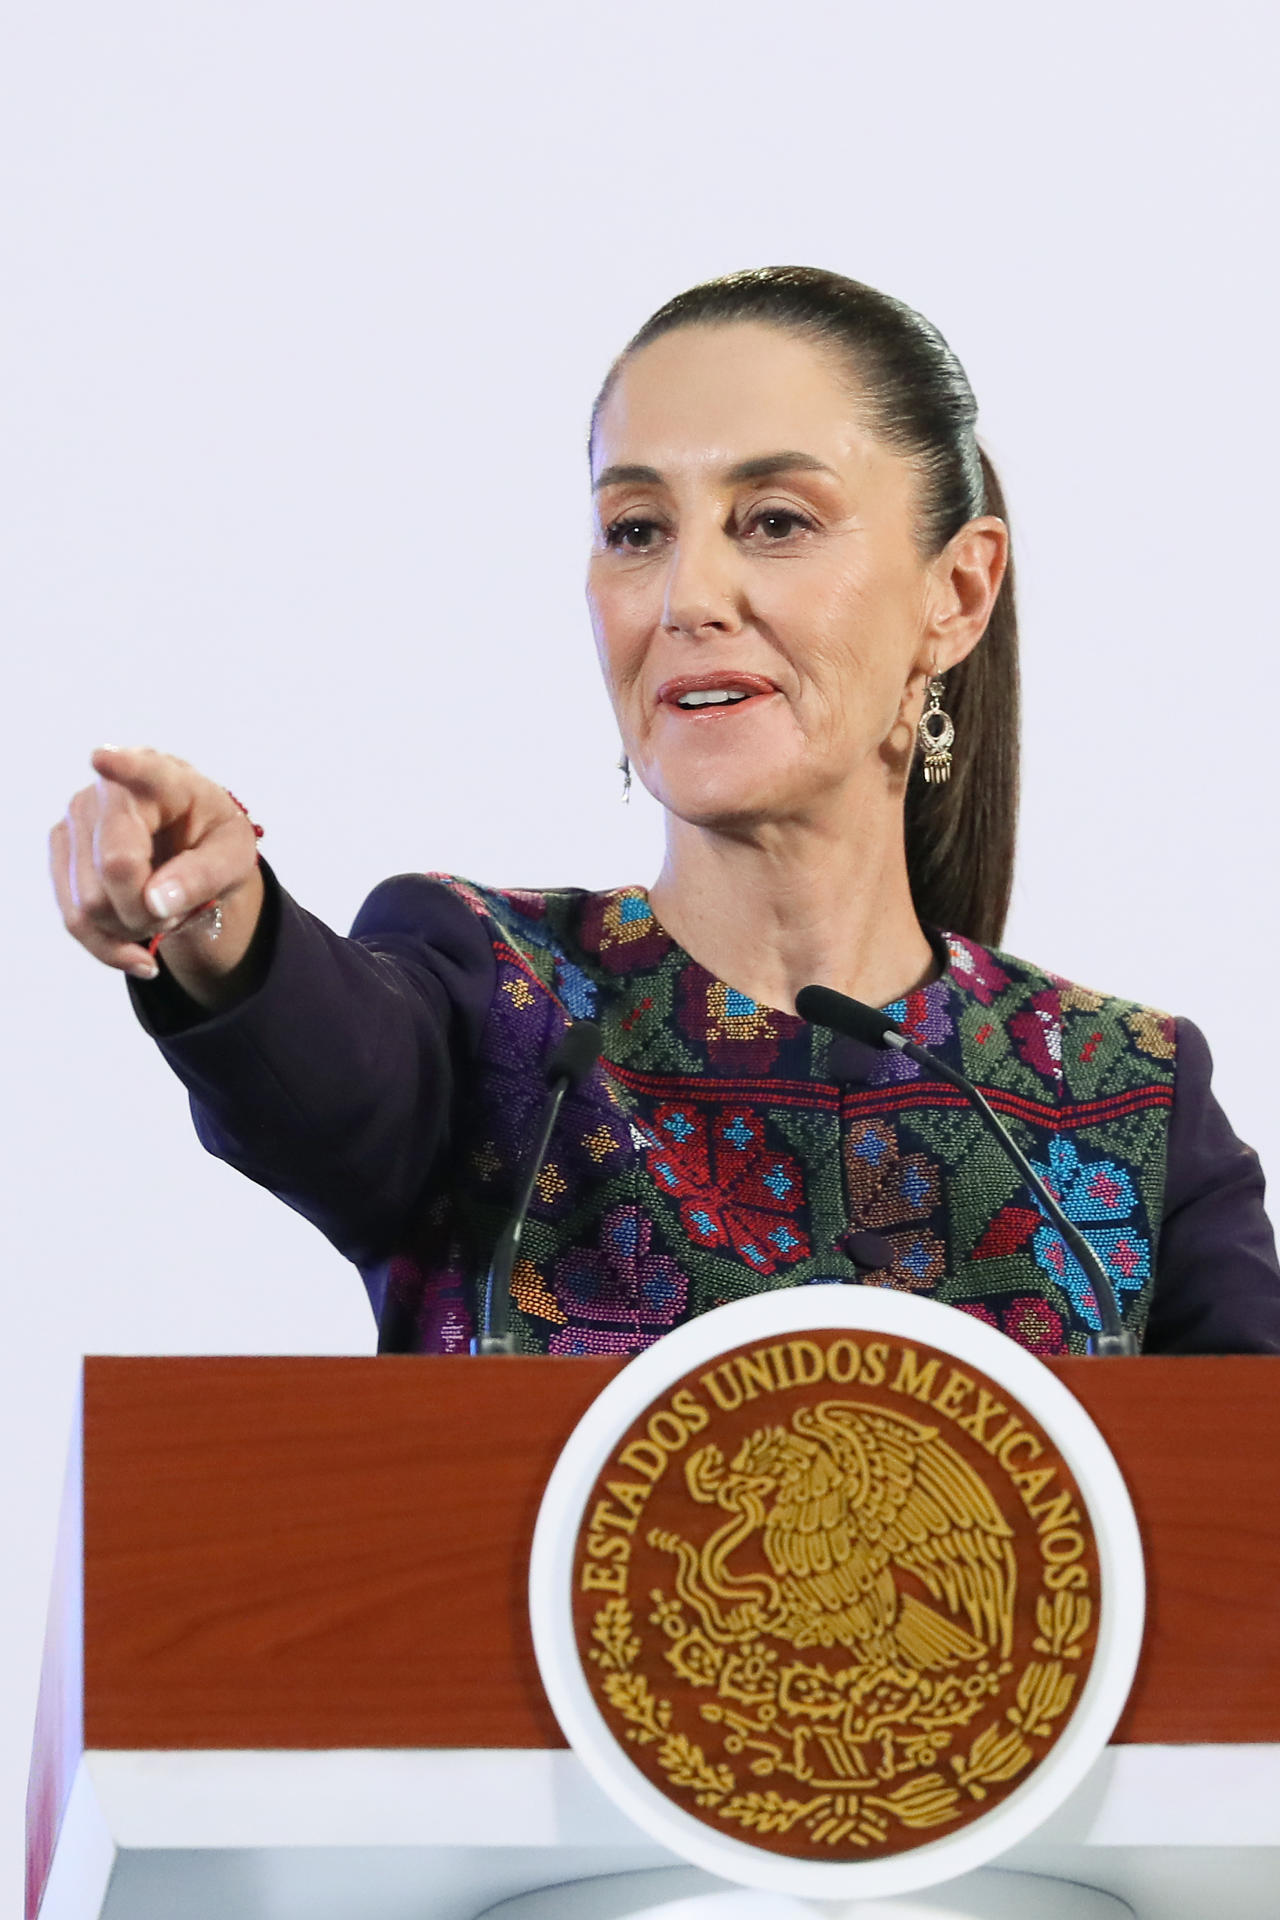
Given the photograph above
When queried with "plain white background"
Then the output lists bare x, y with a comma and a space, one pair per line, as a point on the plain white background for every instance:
304, 306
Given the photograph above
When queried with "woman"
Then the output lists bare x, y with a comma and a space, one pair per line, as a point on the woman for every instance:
803, 603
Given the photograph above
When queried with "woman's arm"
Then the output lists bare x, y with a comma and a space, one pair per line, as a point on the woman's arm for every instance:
322, 1068
332, 1081
1217, 1278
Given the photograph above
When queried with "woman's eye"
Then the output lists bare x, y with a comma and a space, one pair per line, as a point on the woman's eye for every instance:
632, 536
777, 523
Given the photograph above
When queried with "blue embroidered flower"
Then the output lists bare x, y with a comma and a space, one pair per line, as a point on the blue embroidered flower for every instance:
1091, 1192
578, 993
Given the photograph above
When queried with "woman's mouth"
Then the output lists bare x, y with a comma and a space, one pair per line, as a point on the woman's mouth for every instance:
713, 692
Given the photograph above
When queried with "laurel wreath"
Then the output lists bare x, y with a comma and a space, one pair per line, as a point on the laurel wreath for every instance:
997, 1754
831, 1818
1063, 1623
1043, 1695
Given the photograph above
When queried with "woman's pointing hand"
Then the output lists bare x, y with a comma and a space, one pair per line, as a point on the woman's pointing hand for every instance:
146, 846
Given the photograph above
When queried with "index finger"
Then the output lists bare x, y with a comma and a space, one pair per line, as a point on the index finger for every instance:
148, 775
123, 853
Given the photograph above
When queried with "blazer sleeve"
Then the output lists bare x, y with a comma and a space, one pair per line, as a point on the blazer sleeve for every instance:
333, 1082
1217, 1278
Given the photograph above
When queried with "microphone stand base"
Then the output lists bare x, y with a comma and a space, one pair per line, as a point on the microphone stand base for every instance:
1109, 1346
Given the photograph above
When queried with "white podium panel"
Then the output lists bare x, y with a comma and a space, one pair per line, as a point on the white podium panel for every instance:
1180, 1833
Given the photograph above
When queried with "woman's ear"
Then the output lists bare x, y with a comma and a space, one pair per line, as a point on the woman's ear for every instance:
965, 579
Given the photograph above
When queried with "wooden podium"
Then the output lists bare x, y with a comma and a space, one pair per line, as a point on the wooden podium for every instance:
289, 1670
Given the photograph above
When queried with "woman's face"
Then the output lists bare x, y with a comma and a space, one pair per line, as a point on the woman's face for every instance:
764, 616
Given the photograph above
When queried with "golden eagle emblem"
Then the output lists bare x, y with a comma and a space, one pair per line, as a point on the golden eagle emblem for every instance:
848, 1627
853, 1505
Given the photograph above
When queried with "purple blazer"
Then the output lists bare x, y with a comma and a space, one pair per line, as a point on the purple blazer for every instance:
341, 1083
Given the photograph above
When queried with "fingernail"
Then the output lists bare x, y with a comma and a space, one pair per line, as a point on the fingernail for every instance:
166, 899
145, 970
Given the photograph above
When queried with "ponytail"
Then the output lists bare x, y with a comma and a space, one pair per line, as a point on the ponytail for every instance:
960, 836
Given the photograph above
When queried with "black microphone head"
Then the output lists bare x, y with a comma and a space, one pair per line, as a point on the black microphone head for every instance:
827, 1008
575, 1053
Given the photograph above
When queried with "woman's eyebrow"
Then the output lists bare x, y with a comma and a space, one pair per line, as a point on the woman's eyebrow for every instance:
761, 467
766, 464
627, 477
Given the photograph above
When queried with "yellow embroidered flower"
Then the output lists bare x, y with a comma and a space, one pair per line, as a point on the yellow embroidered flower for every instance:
1152, 1032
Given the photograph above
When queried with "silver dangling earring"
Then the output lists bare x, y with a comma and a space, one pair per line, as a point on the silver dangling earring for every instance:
624, 768
936, 733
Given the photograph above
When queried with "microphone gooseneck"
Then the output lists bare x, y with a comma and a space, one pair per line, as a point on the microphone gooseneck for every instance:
572, 1058
826, 1008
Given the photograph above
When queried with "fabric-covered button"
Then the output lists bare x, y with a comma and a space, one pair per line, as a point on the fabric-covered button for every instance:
868, 1249
851, 1062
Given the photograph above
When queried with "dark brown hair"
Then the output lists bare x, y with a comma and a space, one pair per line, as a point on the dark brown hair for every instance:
960, 836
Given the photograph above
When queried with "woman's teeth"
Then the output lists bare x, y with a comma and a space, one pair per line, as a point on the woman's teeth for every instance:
711, 697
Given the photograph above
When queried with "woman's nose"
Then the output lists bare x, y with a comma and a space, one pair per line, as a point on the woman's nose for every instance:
703, 594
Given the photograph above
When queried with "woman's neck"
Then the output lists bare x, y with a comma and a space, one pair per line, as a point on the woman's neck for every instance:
794, 904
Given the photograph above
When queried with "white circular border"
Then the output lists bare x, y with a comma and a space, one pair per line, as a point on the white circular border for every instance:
865, 1310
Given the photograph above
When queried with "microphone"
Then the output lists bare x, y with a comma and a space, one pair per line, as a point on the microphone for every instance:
572, 1058
826, 1008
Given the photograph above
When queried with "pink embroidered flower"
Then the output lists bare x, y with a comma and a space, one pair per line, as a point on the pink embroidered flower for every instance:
1037, 1034
1034, 1324
621, 1282
530, 906
1030, 1321
977, 1311
975, 970
435, 1300
619, 929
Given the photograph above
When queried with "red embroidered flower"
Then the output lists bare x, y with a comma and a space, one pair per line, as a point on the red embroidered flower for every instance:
1010, 1230
733, 1189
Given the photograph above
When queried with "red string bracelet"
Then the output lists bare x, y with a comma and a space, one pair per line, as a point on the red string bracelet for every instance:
257, 830
210, 906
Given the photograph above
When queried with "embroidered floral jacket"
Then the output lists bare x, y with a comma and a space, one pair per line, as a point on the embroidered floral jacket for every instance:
389, 1086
